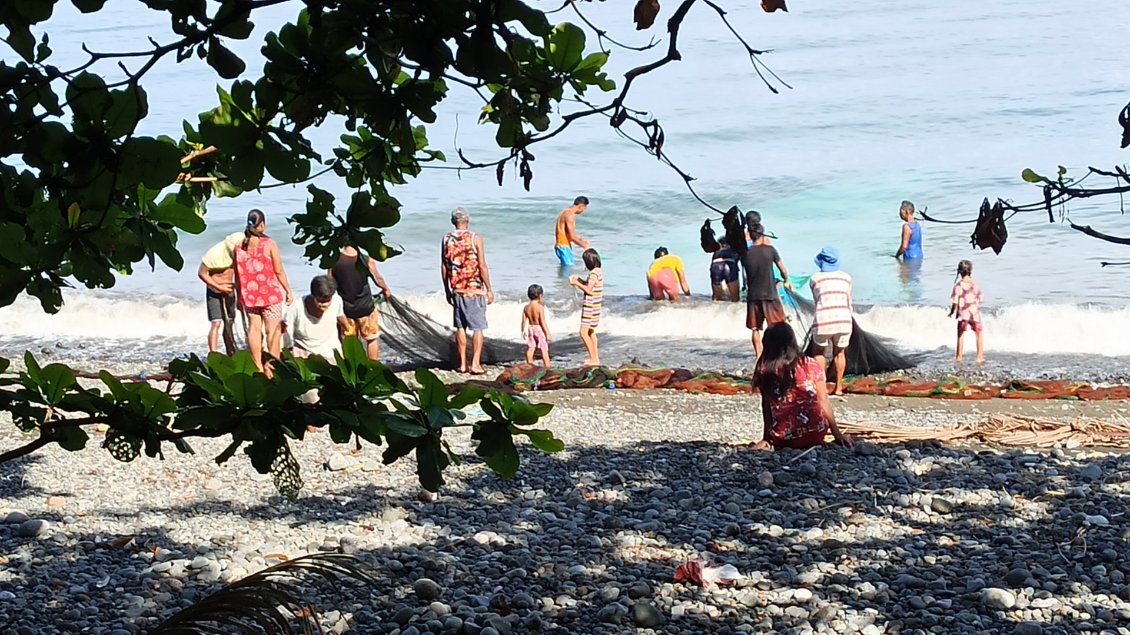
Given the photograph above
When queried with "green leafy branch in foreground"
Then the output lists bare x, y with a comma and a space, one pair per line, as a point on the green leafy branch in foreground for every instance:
219, 396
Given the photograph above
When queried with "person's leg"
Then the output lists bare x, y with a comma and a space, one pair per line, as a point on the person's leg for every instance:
839, 360
735, 291
590, 345
980, 345
715, 292
530, 354
595, 348
753, 321
756, 343
545, 355
959, 333
461, 347
255, 338
477, 321
228, 319
373, 349
214, 336
477, 353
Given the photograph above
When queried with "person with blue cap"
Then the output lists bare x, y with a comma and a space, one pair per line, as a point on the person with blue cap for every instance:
831, 328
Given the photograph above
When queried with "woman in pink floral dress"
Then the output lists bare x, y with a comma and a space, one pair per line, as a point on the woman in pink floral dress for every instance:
262, 287
794, 394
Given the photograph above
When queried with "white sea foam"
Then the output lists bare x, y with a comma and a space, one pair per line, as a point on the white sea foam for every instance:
1028, 328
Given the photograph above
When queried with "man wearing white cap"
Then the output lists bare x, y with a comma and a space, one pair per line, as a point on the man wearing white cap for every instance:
466, 283
217, 274
831, 329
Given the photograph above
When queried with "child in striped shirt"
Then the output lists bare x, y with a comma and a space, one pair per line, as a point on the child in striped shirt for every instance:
593, 286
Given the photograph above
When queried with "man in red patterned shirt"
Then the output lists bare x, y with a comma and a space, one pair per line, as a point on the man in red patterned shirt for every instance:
831, 329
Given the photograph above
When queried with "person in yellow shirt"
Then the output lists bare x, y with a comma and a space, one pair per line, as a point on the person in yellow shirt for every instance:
217, 273
665, 276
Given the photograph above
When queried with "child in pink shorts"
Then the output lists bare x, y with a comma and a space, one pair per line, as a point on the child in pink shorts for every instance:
534, 327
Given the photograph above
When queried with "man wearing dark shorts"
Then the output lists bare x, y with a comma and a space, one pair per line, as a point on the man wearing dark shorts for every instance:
217, 273
763, 302
352, 279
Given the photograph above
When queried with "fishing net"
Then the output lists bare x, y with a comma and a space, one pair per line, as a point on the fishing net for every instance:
421, 342
867, 354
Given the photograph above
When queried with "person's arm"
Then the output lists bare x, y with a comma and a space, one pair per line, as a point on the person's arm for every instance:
766, 422
583, 286
681, 270
905, 240
826, 410
953, 299
379, 279
784, 273
571, 232
483, 270
205, 275
525, 321
445, 274
280, 273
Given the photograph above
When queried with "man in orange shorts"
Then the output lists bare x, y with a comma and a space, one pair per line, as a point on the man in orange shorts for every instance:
351, 274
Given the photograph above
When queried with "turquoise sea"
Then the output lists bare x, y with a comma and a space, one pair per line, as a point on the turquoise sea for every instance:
940, 103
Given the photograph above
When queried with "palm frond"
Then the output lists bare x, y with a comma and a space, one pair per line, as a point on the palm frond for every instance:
269, 602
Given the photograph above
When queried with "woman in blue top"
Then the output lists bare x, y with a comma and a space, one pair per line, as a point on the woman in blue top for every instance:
911, 246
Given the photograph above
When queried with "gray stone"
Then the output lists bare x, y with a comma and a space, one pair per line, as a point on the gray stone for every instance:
1092, 472
427, 589
645, 615
1029, 628
611, 613
34, 528
610, 593
639, 590
16, 517
522, 600
1016, 577
941, 505
997, 598
338, 462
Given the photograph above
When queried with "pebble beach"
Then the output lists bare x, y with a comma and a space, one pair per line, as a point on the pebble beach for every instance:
910, 538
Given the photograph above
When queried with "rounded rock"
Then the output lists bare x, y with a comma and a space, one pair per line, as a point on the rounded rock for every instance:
645, 615
427, 589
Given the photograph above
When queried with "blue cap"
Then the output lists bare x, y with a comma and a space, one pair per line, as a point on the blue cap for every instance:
828, 259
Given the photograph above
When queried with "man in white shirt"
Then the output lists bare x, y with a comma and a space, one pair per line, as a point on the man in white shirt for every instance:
832, 326
315, 324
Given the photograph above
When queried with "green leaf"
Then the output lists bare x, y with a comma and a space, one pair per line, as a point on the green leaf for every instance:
73, 439
4, 364
226, 64
534, 20
247, 391
88, 97
593, 61
263, 452
564, 46
363, 212
543, 439
496, 447
398, 447
284, 164
127, 108
433, 392
54, 381
467, 396
88, 6
430, 463
406, 427
153, 162
173, 212
1031, 177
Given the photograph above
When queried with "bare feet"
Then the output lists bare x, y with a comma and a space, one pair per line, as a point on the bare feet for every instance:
839, 392
478, 371
980, 360
591, 362
762, 446
462, 370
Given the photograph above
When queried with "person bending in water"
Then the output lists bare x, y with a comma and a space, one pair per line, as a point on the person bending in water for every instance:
217, 272
534, 327
795, 409
724, 273
911, 246
965, 304
566, 231
593, 286
666, 276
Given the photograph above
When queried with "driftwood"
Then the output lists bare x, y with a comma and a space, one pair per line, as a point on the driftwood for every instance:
1007, 430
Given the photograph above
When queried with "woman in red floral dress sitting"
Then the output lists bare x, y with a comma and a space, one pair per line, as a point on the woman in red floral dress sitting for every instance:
794, 394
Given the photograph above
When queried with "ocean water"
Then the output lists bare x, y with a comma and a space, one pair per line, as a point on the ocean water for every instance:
940, 103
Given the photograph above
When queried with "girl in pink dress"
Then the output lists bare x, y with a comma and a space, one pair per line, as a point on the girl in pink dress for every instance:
794, 394
262, 287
